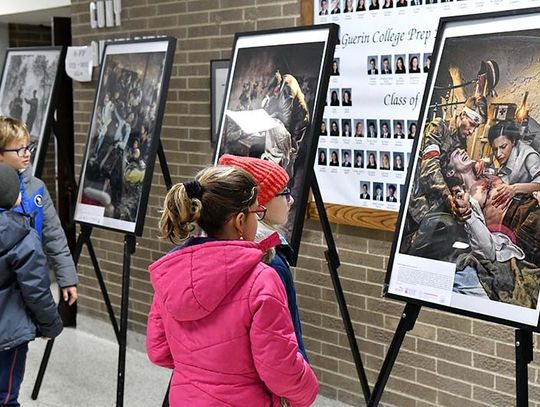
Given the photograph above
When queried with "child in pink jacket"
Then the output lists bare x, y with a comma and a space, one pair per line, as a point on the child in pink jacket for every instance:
219, 317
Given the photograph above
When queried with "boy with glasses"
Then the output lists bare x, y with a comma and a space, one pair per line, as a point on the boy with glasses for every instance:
16, 151
276, 198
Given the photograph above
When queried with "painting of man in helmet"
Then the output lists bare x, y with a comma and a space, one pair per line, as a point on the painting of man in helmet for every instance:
471, 215
271, 103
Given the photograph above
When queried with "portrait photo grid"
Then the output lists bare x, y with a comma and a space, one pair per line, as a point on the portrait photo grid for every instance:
378, 75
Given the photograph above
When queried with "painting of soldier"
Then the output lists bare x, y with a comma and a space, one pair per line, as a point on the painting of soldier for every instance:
28, 91
472, 205
124, 134
271, 104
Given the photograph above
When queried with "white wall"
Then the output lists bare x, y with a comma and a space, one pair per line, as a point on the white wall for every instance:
23, 6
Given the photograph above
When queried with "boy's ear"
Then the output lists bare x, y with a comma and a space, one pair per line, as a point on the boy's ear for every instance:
450, 173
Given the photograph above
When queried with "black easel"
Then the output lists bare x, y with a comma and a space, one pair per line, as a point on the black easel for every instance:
408, 319
524, 355
332, 258
120, 332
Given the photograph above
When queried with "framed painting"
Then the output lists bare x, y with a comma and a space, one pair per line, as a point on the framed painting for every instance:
219, 72
123, 136
28, 92
468, 232
274, 104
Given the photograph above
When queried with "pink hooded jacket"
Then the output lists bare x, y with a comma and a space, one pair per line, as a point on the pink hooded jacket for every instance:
219, 318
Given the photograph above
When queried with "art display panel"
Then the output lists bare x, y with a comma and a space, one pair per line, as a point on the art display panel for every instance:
28, 93
377, 81
123, 137
219, 72
275, 94
469, 228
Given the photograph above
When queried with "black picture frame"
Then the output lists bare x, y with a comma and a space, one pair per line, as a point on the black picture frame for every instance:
29, 92
127, 115
494, 28
303, 57
219, 72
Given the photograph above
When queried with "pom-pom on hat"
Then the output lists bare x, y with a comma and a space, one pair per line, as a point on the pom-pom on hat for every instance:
9, 187
270, 177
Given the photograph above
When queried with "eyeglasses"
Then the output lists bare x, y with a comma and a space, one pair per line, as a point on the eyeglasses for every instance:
286, 193
21, 151
260, 212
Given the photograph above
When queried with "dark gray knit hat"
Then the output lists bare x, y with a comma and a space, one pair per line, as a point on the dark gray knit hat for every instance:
9, 186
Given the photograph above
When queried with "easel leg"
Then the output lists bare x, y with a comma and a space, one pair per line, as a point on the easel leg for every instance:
129, 249
166, 398
103, 289
332, 259
524, 355
83, 238
164, 167
408, 319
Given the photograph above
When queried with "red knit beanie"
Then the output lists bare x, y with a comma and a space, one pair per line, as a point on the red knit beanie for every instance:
271, 178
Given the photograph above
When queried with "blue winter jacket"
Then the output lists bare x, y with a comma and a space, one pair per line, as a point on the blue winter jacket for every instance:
37, 203
27, 307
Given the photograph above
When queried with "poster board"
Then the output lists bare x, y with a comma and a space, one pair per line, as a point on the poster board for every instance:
123, 136
277, 83
28, 92
463, 245
391, 32
219, 72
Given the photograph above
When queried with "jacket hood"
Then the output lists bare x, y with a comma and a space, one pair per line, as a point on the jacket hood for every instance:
12, 229
193, 280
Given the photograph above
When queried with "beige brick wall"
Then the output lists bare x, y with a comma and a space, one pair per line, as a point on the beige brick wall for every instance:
446, 360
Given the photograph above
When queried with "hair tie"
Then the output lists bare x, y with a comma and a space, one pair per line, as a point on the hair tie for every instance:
193, 189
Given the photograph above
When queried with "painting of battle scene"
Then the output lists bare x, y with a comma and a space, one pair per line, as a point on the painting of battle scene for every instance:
270, 105
121, 145
28, 83
474, 198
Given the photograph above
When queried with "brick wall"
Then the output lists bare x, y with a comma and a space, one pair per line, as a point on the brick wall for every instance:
446, 360
27, 35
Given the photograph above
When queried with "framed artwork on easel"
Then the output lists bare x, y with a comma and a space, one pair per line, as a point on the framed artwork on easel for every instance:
274, 96
123, 137
467, 237
28, 91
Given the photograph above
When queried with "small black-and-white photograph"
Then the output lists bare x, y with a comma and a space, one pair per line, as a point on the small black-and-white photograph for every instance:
372, 128
391, 193
371, 160
385, 129
334, 158
334, 127
400, 64
346, 97
399, 164
398, 130
414, 63
386, 64
334, 71
346, 130
372, 65
365, 190
378, 191
359, 128
334, 97
358, 158
384, 160
346, 158
322, 156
